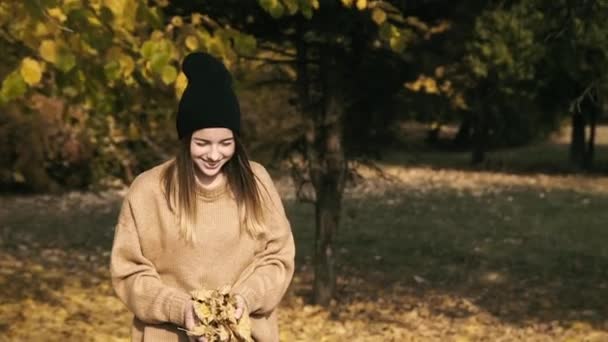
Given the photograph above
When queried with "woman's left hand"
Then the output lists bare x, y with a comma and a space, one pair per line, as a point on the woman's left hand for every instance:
190, 320
241, 306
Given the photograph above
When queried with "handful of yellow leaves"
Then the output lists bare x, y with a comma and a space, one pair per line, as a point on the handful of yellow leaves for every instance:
215, 310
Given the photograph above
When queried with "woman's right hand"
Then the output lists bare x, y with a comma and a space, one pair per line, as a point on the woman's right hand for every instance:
190, 321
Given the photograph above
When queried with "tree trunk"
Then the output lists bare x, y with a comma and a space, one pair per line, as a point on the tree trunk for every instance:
327, 220
324, 155
590, 151
577, 142
480, 133
463, 136
480, 115
478, 155
328, 178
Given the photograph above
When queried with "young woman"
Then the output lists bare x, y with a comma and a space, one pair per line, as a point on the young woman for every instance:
207, 218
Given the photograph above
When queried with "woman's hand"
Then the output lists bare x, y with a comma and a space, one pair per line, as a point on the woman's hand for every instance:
190, 320
241, 306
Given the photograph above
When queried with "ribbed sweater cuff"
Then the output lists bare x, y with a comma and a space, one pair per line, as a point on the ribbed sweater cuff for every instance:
251, 297
177, 304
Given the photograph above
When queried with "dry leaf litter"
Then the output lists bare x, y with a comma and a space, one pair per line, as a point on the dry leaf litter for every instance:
215, 310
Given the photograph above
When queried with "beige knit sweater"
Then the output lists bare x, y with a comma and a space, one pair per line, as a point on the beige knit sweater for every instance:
153, 269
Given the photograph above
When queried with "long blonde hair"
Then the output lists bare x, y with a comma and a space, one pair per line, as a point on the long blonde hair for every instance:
179, 184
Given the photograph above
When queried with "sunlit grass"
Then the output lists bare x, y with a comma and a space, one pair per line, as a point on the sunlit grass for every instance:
528, 251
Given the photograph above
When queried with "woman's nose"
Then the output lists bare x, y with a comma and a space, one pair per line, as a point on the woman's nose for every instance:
214, 154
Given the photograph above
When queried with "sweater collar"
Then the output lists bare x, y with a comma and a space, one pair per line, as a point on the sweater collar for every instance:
211, 194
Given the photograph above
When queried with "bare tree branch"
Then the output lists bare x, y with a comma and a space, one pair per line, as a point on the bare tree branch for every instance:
276, 50
272, 82
157, 149
53, 20
268, 60
589, 92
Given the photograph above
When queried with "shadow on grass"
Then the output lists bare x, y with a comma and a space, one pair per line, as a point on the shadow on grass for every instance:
513, 255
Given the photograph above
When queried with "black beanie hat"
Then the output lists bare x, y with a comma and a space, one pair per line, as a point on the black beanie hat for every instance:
208, 100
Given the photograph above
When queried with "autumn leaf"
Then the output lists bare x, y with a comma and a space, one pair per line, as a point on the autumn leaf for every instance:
180, 84
361, 4
13, 86
169, 74
191, 42
215, 310
31, 71
378, 16
177, 21
48, 51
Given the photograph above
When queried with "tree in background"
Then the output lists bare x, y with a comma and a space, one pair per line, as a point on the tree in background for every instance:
522, 67
114, 64
526, 65
497, 76
575, 68
343, 60
109, 69
348, 62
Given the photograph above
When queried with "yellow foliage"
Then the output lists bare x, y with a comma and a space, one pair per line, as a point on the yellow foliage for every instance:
397, 43
417, 23
42, 30
57, 13
177, 21
169, 74
425, 84
116, 6
127, 65
124, 12
31, 71
215, 310
48, 50
361, 4
191, 42
440, 71
157, 35
378, 16
113, 53
197, 19
180, 84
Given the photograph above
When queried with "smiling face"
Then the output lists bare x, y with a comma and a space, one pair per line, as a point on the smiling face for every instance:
210, 149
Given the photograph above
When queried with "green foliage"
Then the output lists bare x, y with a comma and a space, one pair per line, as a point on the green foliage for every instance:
280, 8
505, 44
577, 33
13, 86
558, 37
499, 74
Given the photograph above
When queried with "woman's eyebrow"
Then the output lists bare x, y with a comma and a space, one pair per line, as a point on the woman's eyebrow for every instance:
205, 140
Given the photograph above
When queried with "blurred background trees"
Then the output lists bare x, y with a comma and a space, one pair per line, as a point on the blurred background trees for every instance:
94, 84
89, 88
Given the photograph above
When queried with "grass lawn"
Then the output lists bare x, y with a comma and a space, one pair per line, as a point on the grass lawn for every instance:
432, 252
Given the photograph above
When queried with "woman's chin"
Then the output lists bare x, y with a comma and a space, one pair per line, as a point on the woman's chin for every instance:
209, 172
